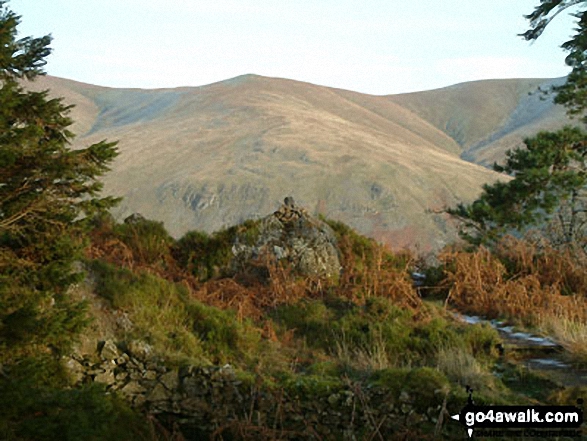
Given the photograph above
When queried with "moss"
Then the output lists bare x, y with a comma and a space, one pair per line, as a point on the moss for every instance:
311, 387
392, 379
325, 369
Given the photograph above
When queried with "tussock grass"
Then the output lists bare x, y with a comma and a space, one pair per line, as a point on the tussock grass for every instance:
570, 334
462, 368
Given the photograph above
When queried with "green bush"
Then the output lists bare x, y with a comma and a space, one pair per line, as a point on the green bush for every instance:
379, 329
224, 337
428, 386
207, 256
30, 412
148, 240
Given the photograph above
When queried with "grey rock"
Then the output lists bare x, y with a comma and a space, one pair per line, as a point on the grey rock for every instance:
106, 377
159, 393
75, 370
123, 321
150, 375
140, 349
135, 218
290, 234
135, 375
109, 351
139, 400
170, 380
133, 388
121, 376
123, 359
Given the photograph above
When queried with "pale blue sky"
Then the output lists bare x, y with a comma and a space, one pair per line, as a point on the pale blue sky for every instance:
370, 46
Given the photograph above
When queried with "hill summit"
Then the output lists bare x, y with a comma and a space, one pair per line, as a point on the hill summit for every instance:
208, 157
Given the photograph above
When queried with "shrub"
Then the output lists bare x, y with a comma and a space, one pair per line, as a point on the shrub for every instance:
29, 412
207, 256
148, 240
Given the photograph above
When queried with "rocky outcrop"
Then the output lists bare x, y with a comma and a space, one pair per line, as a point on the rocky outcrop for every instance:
290, 234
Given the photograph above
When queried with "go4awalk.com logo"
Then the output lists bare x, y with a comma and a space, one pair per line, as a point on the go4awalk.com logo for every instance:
544, 421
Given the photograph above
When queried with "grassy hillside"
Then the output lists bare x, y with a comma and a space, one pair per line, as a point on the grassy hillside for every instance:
486, 118
367, 343
213, 156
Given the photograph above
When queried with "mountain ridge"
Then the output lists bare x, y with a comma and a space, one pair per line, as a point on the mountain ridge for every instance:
211, 156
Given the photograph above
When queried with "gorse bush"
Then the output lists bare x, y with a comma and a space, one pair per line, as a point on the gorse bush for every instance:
206, 256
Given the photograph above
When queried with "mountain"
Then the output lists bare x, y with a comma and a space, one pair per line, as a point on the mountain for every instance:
212, 156
486, 118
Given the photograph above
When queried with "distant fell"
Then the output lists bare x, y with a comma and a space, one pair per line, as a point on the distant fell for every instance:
212, 156
488, 117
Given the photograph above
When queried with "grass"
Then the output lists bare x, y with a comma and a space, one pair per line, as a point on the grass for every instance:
370, 327
167, 317
462, 368
570, 334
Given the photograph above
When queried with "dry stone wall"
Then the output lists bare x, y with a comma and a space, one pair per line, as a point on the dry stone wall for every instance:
201, 400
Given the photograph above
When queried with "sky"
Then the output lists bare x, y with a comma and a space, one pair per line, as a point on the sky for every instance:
371, 46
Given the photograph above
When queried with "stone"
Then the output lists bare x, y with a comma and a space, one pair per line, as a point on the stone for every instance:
133, 388
289, 234
123, 321
109, 351
333, 399
135, 218
106, 377
140, 349
150, 375
170, 380
159, 393
139, 400
135, 375
75, 370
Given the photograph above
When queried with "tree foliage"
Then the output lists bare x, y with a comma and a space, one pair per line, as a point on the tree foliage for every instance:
47, 190
573, 93
549, 187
